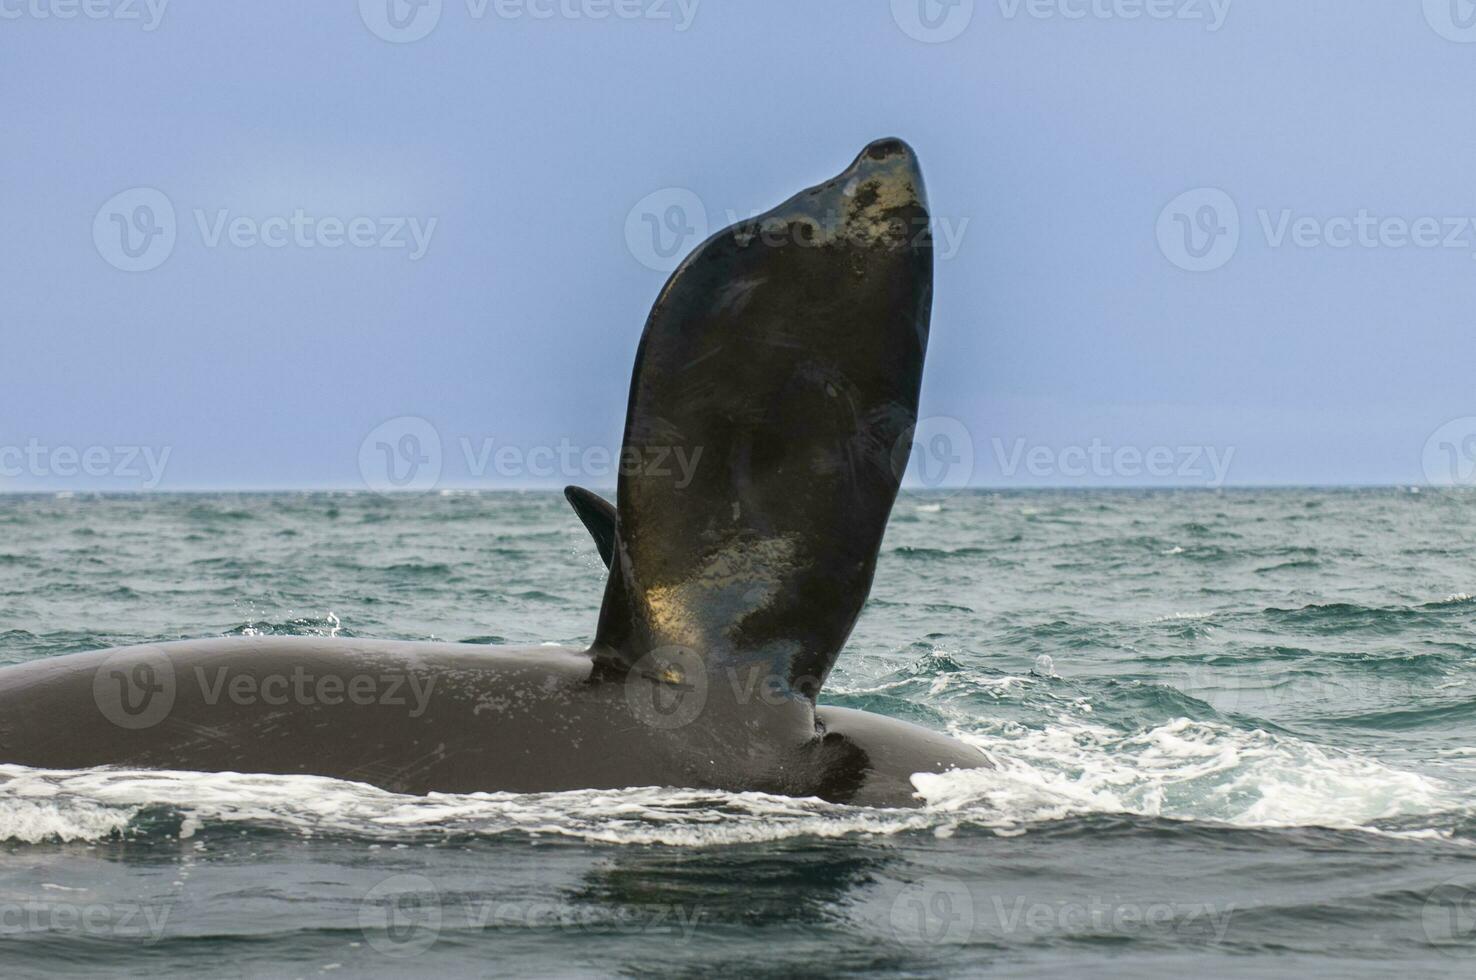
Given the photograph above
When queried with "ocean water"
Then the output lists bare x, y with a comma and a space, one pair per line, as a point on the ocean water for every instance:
1235, 735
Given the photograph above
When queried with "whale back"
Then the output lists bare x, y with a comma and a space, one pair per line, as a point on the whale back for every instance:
770, 417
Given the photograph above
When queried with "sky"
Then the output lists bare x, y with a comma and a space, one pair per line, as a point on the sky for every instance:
410, 244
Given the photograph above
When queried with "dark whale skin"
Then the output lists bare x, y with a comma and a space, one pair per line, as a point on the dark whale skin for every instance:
446, 717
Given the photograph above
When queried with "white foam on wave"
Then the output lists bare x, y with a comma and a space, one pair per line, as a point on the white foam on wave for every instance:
1182, 770
1182, 617
33, 821
37, 805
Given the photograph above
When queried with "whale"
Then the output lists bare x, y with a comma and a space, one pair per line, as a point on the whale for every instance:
783, 358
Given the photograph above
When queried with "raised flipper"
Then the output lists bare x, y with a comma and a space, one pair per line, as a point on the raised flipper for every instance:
598, 517
782, 362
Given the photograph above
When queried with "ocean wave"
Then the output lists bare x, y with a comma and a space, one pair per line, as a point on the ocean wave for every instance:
919, 553
1339, 617
1298, 564
1182, 617
1185, 771
44, 805
328, 625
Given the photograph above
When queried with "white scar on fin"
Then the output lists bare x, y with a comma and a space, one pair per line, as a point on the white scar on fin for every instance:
742, 579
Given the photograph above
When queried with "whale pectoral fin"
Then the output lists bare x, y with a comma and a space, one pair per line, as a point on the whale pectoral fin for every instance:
770, 417
598, 517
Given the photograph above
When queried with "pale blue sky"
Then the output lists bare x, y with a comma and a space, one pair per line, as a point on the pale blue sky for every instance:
1053, 134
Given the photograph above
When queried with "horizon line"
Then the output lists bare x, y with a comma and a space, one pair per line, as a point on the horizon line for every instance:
559, 489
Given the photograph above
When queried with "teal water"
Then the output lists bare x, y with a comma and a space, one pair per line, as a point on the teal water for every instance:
1235, 735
